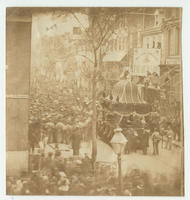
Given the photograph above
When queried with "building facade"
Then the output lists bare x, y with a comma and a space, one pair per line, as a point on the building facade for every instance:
18, 52
164, 33
171, 67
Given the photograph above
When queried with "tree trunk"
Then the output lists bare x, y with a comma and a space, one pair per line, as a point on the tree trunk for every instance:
94, 116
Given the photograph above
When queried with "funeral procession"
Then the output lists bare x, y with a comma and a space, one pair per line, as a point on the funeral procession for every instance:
94, 101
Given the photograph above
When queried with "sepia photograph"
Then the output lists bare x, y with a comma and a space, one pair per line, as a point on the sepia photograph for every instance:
94, 101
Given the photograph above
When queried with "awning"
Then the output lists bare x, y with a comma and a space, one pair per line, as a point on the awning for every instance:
114, 56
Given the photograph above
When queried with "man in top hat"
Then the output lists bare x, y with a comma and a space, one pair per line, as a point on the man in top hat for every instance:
156, 140
76, 140
145, 138
170, 137
131, 140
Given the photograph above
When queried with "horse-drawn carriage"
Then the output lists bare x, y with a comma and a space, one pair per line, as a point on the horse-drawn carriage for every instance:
125, 107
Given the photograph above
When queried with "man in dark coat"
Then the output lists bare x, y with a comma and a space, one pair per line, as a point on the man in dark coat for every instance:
76, 138
34, 134
156, 140
144, 137
131, 141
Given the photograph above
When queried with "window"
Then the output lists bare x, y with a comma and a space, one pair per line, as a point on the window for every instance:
178, 41
115, 45
173, 12
76, 30
135, 40
171, 40
147, 43
169, 13
149, 21
120, 44
156, 20
153, 44
178, 12
174, 42
124, 43
111, 45
159, 45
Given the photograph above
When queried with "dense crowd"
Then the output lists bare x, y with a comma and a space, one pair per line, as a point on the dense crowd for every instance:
58, 176
58, 114
142, 132
61, 115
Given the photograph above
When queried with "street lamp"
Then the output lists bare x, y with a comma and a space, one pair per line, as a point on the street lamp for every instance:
118, 142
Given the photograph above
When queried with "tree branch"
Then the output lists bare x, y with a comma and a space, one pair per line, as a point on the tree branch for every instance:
87, 58
106, 33
87, 33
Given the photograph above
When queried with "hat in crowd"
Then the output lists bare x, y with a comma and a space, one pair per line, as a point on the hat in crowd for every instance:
156, 129
135, 134
146, 126
58, 153
62, 174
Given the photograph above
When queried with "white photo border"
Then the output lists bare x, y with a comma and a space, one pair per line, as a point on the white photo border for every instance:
185, 4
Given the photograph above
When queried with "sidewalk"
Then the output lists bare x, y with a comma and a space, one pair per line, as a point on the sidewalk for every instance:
104, 151
175, 143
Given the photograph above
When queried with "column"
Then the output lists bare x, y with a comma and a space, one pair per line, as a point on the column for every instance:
139, 39
131, 40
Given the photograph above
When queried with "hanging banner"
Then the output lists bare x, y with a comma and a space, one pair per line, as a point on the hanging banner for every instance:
146, 60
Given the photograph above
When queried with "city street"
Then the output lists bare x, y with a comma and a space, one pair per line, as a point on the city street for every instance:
167, 163
92, 100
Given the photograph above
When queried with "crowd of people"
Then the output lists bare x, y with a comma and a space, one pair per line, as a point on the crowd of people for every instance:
58, 115
151, 131
58, 176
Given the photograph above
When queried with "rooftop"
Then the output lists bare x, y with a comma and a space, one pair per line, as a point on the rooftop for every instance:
115, 56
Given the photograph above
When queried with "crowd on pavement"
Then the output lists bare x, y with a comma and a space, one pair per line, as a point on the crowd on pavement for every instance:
143, 132
54, 122
74, 176
62, 115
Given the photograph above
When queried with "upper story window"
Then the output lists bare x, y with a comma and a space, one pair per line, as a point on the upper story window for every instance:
149, 21
147, 43
77, 31
171, 40
159, 45
173, 12
174, 39
134, 40
111, 45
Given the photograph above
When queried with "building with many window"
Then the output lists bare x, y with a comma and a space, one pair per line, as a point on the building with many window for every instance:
171, 65
165, 33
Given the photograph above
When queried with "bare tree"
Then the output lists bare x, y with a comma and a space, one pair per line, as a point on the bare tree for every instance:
102, 25
95, 38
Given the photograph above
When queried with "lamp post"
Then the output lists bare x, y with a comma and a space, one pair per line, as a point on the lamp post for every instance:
118, 142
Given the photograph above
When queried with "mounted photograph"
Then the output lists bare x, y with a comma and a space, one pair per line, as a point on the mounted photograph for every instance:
94, 101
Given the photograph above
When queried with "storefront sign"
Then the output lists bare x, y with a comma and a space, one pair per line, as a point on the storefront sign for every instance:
146, 60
